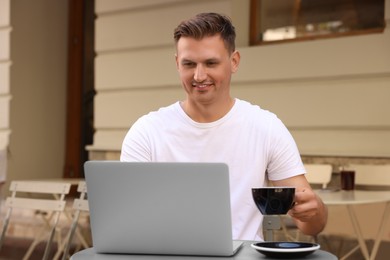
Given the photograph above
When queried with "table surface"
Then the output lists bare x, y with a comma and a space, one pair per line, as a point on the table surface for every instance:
245, 253
340, 197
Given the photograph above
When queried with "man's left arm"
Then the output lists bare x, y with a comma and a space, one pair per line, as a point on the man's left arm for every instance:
309, 212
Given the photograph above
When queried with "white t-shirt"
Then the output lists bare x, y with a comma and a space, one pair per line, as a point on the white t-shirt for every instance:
252, 141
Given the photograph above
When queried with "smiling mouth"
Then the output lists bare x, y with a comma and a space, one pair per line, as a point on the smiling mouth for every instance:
201, 85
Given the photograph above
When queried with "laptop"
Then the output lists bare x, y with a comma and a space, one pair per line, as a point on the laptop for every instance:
160, 208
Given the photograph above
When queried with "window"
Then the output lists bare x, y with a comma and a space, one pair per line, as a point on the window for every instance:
275, 21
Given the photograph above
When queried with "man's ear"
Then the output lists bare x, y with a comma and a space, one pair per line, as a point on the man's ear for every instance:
177, 61
235, 60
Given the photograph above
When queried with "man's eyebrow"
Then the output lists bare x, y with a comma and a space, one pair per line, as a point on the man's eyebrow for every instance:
212, 60
186, 60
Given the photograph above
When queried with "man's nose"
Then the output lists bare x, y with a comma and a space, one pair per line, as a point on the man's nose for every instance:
200, 73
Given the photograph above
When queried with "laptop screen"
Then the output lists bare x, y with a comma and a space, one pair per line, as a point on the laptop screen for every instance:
159, 208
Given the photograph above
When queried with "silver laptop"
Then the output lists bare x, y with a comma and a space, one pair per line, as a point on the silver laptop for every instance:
160, 208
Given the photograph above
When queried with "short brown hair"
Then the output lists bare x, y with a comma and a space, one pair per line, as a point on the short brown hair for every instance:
207, 24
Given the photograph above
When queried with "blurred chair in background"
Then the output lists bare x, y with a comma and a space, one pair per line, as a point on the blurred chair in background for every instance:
30, 195
317, 175
320, 174
372, 176
80, 204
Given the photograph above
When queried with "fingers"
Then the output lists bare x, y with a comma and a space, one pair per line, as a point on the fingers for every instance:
302, 215
305, 205
303, 195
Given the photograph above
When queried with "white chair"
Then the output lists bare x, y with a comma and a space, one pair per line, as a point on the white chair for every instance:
376, 176
80, 204
317, 174
53, 203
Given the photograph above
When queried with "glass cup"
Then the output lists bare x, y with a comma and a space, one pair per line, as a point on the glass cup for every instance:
347, 179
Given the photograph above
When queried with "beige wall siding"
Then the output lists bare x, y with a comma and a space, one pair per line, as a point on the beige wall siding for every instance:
338, 57
4, 43
147, 27
4, 76
4, 116
37, 81
332, 94
5, 96
5, 64
5, 13
135, 69
133, 104
103, 6
324, 103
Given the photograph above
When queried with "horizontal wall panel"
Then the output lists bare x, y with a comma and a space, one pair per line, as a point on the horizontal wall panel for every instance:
4, 13
121, 109
320, 143
319, 103
150, 27
129, 69
4, 139
343, 143
4, 77
353, 102
5, 44
4, 111
136, 69
108, 140
103, 6
321, 58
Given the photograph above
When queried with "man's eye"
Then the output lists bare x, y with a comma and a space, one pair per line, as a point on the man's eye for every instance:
188, 64
211, 63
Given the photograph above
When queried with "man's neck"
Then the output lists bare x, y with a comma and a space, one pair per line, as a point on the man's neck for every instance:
207, 113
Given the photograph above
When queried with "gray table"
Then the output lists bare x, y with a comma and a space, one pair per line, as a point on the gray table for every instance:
245, 253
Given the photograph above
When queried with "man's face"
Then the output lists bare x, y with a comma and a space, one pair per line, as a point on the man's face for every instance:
205, 67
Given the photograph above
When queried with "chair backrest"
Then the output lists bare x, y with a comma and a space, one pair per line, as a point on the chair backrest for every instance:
79, 204
319, 174
53, 188
371, 175
22, 196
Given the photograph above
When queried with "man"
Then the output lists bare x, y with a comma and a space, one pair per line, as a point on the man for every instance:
212, 126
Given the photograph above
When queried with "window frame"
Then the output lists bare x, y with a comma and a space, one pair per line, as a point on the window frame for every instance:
254, 30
